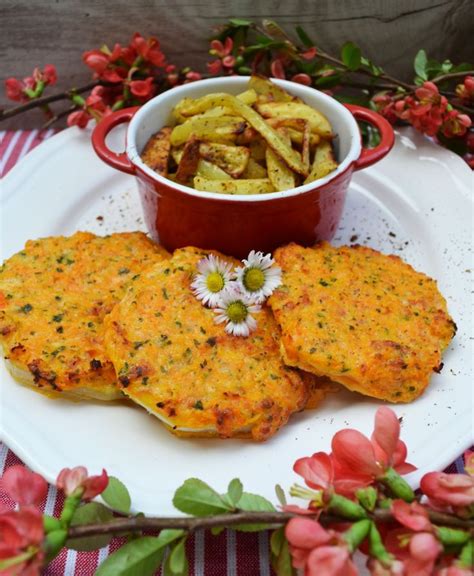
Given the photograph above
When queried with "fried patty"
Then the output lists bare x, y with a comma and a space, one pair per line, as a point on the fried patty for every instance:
172, 358
54, 295
361, 318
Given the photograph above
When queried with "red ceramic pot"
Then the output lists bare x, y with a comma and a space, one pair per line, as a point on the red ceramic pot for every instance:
180, 216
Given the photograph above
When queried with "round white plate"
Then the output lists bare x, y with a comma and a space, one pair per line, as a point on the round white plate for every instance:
417, 203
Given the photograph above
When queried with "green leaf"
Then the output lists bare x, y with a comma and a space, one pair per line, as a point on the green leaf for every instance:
178, 563
91, 513
351, 55
328, 81
117, 496
253, 503
240, 22
283, 565
463, 67
235, 490
276, 541
304, 37
420, 64
280, 494
142, 556
199, 499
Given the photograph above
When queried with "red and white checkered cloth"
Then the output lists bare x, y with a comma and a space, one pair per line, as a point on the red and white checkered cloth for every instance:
229, 554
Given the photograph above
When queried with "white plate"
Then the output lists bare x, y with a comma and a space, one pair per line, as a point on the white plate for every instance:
416, 203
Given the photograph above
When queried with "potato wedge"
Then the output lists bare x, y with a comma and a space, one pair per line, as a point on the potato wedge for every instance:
254, 186
258, 148
254, 170
265, 87
157, 150
248, 97
273, 139
323, 163
281, 177
318, 122
211, 171
232, 159
220, 129
188, 164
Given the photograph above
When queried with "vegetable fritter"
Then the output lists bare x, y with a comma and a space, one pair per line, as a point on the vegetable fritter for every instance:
172, 358
361, 318
54, 295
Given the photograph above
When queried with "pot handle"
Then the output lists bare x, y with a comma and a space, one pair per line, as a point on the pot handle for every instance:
120, 161
369, 156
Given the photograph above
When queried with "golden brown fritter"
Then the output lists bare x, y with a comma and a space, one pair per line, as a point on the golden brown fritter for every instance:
172, 358
361, 318
54, 295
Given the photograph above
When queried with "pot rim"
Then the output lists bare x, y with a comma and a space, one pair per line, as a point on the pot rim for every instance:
187, 90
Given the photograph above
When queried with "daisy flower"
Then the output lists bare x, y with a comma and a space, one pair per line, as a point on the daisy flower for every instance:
213, 276
236, 309
258, 278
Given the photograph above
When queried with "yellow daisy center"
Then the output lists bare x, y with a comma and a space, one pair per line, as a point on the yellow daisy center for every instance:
237, 312
215, 282
253, 279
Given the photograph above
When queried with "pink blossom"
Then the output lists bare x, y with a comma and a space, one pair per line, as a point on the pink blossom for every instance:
318, 551
424, 549
413, 516
22, 531
317, 471
214, 67
221, 50
309, 54
277, 69
228, 61
442, 489
148, 49
23, 486
304, 79
47, 75
330, 561
465, 91
142, 88
97, 60
376, 568
78, 118
14, 90
359, 460
455, 124
71, 480
192, 76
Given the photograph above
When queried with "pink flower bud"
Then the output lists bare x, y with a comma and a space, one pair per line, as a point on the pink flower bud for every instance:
71, 479
228, 61
96, 60
142, 88
309, 54
448, 489
78, 118
14, 89
277, 69
413, 516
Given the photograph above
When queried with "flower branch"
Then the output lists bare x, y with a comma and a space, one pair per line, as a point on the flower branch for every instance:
269, 519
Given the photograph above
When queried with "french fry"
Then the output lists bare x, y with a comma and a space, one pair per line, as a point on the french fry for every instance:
323, 162
259, 141
281, 177
232, 159
318, 122
248, 97
285, 151
254, 170
211, 171
267, 88
254, 186
188, 164
258, 148
220, 129
157, 150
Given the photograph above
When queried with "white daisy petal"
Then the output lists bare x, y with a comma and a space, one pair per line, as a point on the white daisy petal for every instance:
204, 285
236, 310
262, 272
